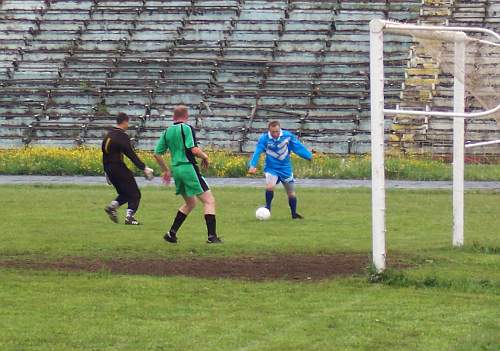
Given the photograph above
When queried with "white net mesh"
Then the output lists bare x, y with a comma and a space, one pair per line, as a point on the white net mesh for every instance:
481, 76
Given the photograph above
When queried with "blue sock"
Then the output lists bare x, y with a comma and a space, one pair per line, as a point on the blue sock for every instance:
292, 201
269, 198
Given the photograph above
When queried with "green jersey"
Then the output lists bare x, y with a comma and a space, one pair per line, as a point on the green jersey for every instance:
179, 139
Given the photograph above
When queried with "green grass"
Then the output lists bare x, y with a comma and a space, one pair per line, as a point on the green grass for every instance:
448, 299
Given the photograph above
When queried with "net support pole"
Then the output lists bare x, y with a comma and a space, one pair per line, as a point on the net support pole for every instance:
458, 142
377, 143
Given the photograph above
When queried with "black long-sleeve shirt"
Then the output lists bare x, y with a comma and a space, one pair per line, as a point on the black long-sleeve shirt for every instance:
117, 143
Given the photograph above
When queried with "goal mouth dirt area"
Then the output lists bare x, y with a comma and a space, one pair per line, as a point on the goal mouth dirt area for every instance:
286, 267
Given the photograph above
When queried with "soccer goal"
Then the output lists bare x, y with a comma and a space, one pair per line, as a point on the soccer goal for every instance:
462, 53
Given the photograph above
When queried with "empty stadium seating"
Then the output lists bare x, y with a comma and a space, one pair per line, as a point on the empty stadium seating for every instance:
429, 88
69, 66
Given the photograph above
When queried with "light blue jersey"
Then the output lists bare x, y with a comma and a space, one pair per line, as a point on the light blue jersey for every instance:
278, 151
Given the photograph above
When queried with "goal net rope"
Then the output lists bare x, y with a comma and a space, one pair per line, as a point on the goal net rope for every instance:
481, 75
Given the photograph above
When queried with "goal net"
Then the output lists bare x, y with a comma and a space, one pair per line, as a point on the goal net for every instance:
456, 86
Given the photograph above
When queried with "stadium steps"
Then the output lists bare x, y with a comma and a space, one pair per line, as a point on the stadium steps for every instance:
435, 12
407, 133
439, 131
235, 64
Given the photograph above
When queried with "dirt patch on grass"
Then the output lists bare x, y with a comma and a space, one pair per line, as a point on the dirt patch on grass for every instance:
290, 267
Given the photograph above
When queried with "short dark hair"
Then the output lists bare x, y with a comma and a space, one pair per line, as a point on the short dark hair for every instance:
122, 116
273, 124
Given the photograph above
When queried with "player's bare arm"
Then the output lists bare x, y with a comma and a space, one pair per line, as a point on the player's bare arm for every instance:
198, 152
161, 162
164, 169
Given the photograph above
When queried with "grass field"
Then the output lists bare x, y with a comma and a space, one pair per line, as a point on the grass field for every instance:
446, 299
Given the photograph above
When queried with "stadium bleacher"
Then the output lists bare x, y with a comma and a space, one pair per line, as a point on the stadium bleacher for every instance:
427, 88
69, 66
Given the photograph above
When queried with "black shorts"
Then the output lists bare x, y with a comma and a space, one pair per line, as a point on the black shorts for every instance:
123, 180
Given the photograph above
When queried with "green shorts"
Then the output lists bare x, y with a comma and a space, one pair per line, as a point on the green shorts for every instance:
188, 180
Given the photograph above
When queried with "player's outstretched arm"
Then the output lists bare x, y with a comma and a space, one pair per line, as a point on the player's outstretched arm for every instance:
128, 150
160, 149
254, 161
298, 148
164, 169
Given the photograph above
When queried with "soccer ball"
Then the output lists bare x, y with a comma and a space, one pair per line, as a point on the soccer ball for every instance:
262, 214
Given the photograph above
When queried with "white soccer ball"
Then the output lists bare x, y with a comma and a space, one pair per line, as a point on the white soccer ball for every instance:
262, 214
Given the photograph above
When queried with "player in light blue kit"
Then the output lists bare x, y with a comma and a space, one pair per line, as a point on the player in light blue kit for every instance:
278, 145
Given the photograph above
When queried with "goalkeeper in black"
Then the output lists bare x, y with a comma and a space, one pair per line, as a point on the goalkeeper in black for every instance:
116, 143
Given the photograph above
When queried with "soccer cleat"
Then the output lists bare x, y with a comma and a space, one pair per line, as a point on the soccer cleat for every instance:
170, 237
112, 213
297, 216
130, 220
214, 239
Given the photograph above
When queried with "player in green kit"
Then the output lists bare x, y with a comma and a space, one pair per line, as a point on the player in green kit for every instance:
180, 140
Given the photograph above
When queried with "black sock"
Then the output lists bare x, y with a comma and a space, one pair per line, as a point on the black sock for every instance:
179, 219
269, 198
292, 201
211, 224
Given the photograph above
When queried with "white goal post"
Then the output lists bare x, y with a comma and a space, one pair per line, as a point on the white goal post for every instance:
454, 35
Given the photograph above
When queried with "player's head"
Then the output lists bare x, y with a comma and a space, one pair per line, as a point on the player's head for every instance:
181, 113
274, 128
122, 120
